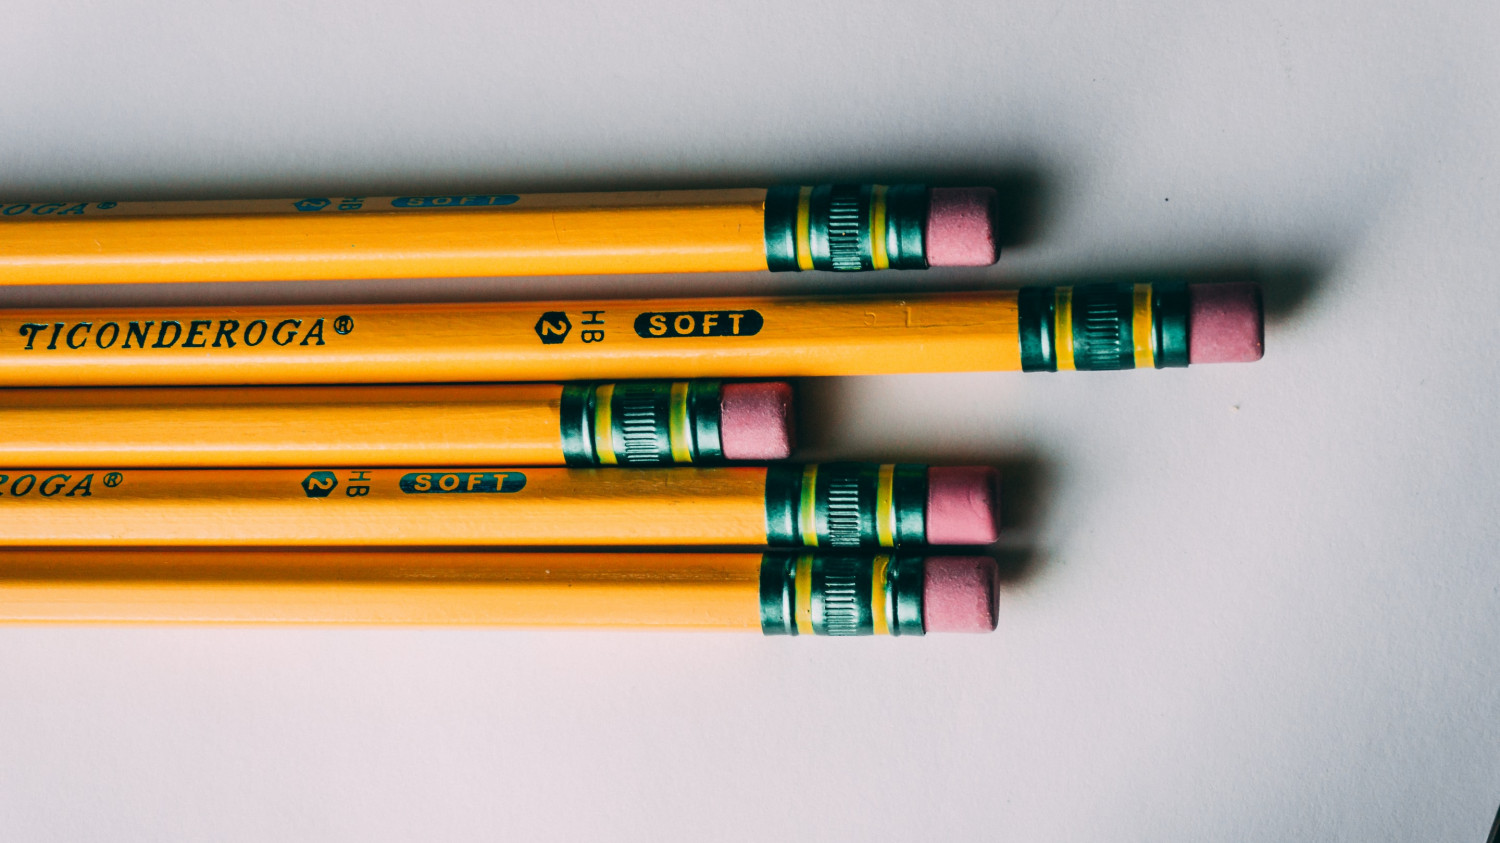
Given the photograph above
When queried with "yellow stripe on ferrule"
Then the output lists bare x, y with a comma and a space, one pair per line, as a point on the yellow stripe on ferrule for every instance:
803, 611
604, 433
677, 427
804, 228
1141, 329
1064, 332
879, 593
885, 506
807, 515
879, 259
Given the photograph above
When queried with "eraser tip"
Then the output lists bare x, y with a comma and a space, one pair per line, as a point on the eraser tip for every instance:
961, 227
963, 505
960, 594
756, 421
1226, 323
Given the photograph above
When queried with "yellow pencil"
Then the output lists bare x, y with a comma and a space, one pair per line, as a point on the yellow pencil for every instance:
632, 423
834, 227
818, 593
833, 505
1098, 326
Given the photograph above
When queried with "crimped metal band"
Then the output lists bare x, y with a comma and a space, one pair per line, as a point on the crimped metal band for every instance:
641, 423
841, 594
846, 227
1103, 326
846, 505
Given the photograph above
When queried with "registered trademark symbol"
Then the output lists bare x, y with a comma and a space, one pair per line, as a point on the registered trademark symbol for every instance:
113, 479
343, 324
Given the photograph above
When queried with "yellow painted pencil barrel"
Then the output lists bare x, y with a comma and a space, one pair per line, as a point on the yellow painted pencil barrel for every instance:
833, 505
1091, 327
834, 227
836, 594
632, 423
509, 341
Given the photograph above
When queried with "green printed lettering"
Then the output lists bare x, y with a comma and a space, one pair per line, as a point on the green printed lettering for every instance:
260, 337
276, 334
73, 334
195, 331
227, 327
161, 335
315, 331
29, 330
49, 488
134, 331
86, 484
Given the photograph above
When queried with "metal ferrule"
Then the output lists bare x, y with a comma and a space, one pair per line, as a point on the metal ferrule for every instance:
1105, 326
641, 423
841, 594
846, 227
846, 505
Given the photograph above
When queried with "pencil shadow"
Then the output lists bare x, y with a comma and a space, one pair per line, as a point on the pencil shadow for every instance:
1018, 181
1021, 190
1287, 285
1020, 185
1028, 478
1026, 488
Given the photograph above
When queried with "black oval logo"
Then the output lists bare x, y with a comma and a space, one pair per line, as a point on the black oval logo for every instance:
699, 323
459, 482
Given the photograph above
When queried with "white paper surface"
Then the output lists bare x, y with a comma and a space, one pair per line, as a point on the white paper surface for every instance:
1257, 603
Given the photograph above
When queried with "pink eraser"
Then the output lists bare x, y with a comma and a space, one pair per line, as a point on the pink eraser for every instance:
755, 420
959, 594
1225, 323
961, 227
963, 505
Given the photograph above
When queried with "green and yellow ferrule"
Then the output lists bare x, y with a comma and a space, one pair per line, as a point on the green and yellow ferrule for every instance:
843, 505
846, 227
1106, 326
841, 594
642, 423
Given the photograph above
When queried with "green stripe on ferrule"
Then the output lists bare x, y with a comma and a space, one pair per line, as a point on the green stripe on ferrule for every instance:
909, 495
839, 232
843, 508
1037, 313
778, 594
906, 207
640, 414
843, 595
1169, 320
705, 411
576, 423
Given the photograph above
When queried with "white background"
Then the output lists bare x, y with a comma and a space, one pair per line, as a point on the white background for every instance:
1253, 602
